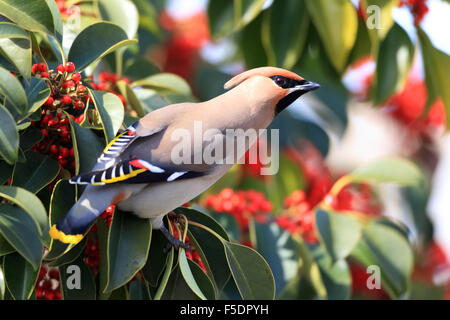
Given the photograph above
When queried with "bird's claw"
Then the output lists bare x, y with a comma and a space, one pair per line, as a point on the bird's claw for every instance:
173, 242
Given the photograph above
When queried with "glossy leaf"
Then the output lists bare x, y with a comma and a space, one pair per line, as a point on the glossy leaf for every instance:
96, 41
187, 274
122, 13
156, 260
379, 19
22, 234
11, 30
279, 249
57, 20
228, 222
165, 82
11, 88
339, 233
9, 138
337, 24
128, 245
5, 247
203, 281
229, 16
33, 16
437, 66
286, 23
69, 256
336, 276
16, 49
86, 146
391, 251
177, 288
138, 290
250, 272
389, 170
111, 111
31, 204
20, 276
393, 64
37, 172
131, 98
77, 273
37, 93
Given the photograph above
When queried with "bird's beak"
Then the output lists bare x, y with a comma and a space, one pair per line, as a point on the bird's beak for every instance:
307, 86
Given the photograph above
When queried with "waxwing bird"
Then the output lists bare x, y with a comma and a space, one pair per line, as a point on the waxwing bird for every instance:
137, 170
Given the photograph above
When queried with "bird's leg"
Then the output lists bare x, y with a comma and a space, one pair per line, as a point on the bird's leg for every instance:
172, 241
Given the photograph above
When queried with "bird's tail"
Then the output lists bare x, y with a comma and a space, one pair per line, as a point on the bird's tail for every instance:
75, 224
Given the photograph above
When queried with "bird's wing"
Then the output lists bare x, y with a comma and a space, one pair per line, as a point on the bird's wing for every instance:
135, 171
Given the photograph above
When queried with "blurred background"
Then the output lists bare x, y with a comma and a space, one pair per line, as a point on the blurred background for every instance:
384, 72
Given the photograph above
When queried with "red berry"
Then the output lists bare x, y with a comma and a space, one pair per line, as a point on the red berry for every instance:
41, 67
45, 75
76, 76
69, 84
79, 105
44, 132
70, 67
54, 274
60, 69
67, 99
80, 118
49, 101
64, 152
34, 68
81, 88
54, 148
71, 152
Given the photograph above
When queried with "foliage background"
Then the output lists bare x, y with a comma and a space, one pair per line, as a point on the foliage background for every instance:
358, 165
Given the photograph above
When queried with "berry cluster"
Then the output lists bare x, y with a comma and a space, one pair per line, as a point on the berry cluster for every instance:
107, 82
242, 204
67, 94
418, 9
297, 218
47, 285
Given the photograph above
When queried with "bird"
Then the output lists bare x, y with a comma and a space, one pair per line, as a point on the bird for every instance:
137, 172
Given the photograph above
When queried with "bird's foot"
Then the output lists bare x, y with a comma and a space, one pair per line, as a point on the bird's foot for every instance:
173, 242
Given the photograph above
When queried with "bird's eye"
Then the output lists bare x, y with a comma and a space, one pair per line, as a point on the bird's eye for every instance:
281, 82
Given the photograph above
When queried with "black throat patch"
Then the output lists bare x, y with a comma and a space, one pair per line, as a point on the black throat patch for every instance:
287, 100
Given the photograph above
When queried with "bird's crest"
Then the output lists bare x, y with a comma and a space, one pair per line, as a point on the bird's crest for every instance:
263, 71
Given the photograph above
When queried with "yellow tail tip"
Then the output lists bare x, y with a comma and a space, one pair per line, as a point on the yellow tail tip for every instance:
66, 238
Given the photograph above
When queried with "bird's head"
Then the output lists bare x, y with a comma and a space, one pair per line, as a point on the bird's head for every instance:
278, 86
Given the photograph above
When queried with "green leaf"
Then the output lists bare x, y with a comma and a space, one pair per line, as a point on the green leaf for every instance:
2, 284
86, 146
337, 24
228, 222
156, 260
31, 204
139, 290
16, 49
391, 251
187, 274
96, 41
128, 245
5, 247
202, 280
393, 64
111, 111
279, 249
57, 20
37, 172
177, 288
336, 276
252, 48
11, 30
11, 88
229, 16
437, 67
29, 137
77, 271
37, 93
389, 170
131, 98
33, 16
69, 256
62, 199
122, 13
250, 272
337, 232
21, 232
379, 24
165, 82
9, 137
20, 276
286, 23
